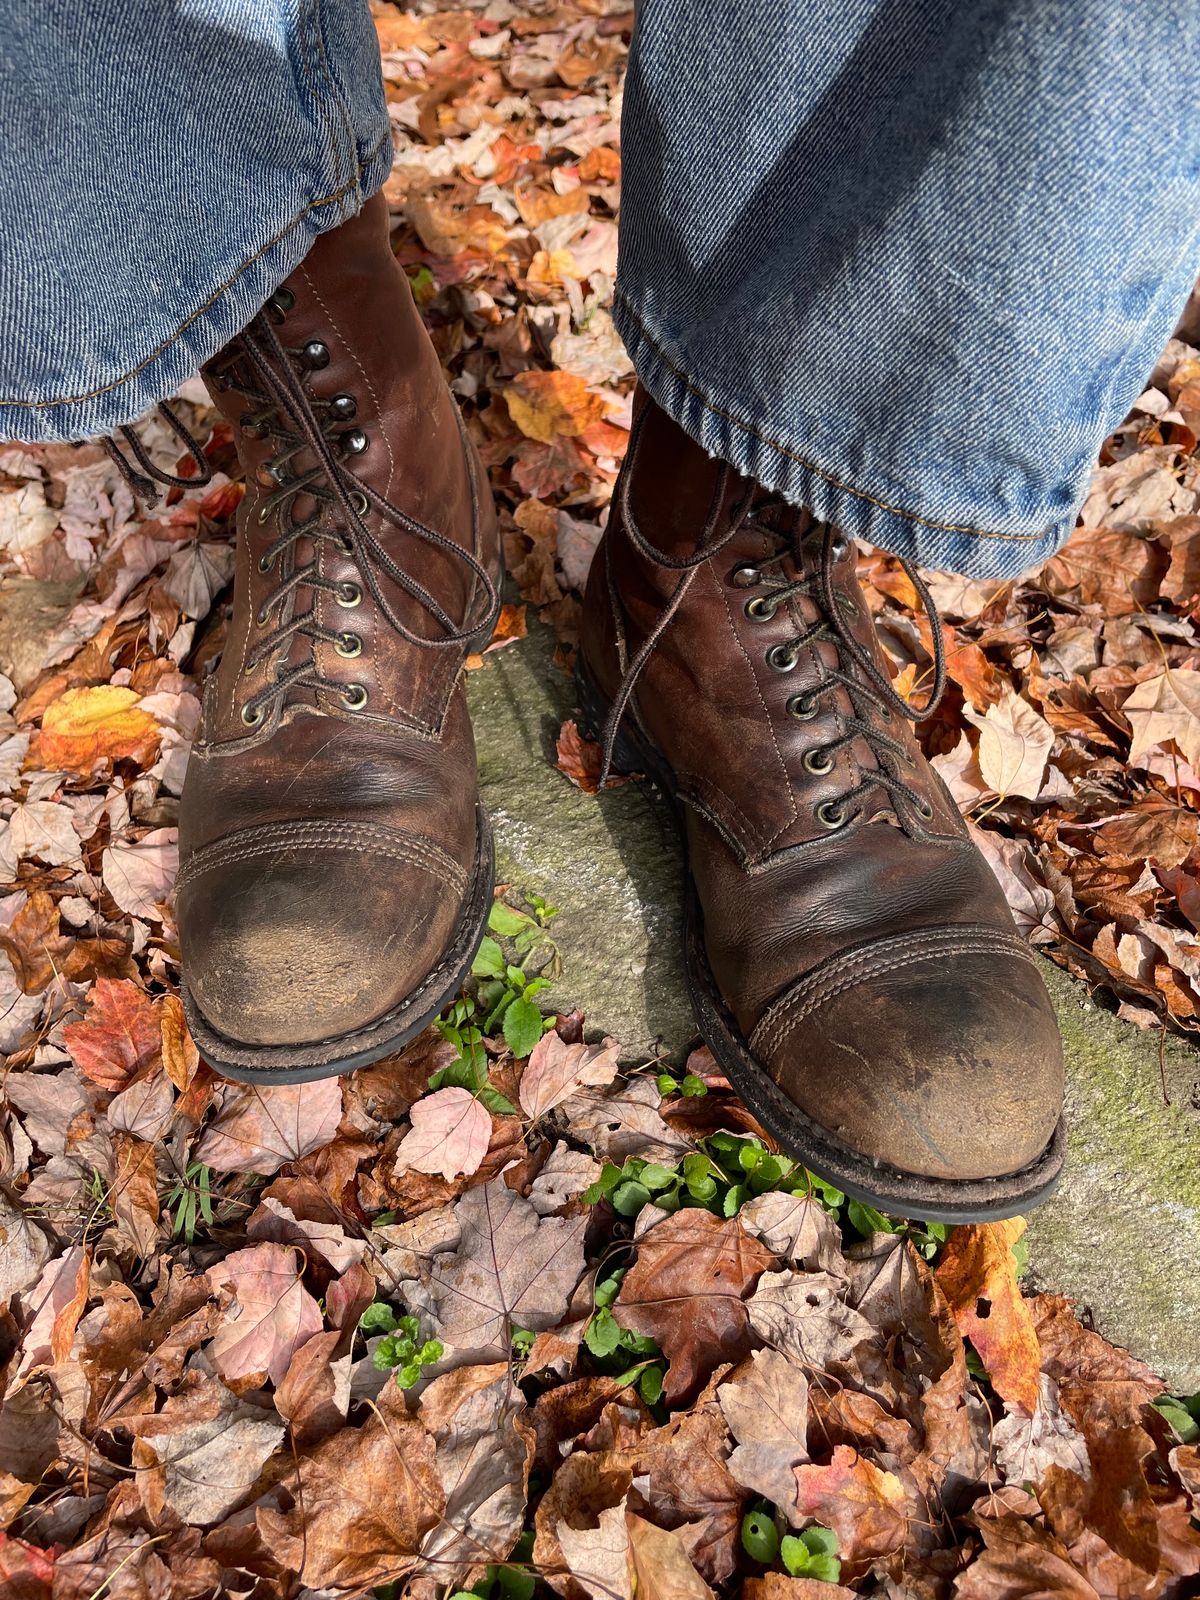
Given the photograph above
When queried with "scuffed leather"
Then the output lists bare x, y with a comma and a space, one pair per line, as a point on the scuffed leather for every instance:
325, 855
946, 1067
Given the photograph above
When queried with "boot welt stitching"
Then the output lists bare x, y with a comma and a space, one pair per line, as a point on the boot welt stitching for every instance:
351, 837
815, 991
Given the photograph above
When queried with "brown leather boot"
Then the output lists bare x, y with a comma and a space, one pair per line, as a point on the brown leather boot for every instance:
852, 962
336, 866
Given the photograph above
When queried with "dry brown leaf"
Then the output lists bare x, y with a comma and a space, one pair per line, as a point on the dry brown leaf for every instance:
120, 1038
450, 1133
688, 1289
765, 1404
260, 1127
269, 1313
1166, 707
555, 1071
1014, 744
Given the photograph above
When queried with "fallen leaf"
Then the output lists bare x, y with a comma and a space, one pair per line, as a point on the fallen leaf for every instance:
140, 877
84, 729
513, 1269
687, 1289
450, 1133
545, 404
1014, 745
134, 1194
1166, 707
765, 1404
121, 1036
864, 1506
260, 1127
270, 1315
978, 1275
555, 1071
661, 1566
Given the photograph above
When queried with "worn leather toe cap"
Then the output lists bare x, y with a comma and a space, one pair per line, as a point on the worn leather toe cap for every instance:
923, 1053
294, 934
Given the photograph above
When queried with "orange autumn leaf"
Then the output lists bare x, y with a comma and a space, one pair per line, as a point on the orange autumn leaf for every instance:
119, 1039
581, 759
84, 728
864, 1506
978, 1275
180, 1056
545, 404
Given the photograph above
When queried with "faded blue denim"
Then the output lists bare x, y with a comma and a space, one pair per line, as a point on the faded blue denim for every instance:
164, 164
908, 261
905, 261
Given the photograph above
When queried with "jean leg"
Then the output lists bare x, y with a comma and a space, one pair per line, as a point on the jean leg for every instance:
907, 262
165, 164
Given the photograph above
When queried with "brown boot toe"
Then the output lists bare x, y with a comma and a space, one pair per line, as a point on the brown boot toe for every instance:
271, 991
940, 1061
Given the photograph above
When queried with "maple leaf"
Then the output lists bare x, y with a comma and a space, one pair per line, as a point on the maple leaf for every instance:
581, 1528
270, 1315
43, 829
450, 1133
545, 404
555, 1071
661, 1566
180, 1056
1014, 745
121, 1036
34, 945
85, 729
260, 1127
977, 1273
1166, 707
135, 1194
688, 1289
315, 1393
196, 575
512, 1269
24, 1249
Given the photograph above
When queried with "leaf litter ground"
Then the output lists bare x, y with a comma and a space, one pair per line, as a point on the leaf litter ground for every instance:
501, 1313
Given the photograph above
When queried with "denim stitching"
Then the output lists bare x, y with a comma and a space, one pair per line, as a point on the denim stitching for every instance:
160, 349
793, 455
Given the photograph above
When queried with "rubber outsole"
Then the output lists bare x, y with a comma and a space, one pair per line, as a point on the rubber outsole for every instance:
330, 1058
906, 1194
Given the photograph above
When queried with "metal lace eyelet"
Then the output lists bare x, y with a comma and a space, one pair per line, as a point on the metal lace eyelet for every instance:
282, 301
354, 697
348, 595
803, 707
359, 501
781, 658
831, 814
840, 547
847, 605
252, 715
315, 354
252, 429
348, 646
264, 512
818, 761
268, 475
342, 408
354, 442
265, 563
744, 576
923, 809
343, 543
263, 617
761, 609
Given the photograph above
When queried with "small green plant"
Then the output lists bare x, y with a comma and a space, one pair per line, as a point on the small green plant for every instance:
398, 1350
760, 1537
522, 1343
812, 1554
1183, 1413
689, 1085
190, 1200
506, 992
620, 1352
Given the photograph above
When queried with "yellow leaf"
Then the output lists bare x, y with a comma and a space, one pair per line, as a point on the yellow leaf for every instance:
546, 404
84, 728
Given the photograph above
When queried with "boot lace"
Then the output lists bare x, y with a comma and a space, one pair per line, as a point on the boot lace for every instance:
274, 378
813, 552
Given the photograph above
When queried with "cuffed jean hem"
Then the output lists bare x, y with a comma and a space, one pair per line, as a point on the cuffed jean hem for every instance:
756, 448
238, 293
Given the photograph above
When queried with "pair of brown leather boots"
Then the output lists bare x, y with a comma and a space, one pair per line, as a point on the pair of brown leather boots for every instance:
851, 959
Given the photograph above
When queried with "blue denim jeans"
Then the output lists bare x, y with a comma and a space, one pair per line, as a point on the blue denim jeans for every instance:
904, 261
